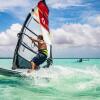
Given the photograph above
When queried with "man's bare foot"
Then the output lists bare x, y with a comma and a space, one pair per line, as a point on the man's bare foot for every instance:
30, 71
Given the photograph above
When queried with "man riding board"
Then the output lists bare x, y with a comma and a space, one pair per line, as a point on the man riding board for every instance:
42, 53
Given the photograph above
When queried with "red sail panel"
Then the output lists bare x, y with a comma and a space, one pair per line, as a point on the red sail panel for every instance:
43, 14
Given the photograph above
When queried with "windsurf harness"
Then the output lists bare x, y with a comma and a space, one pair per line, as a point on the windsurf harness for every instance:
44, 51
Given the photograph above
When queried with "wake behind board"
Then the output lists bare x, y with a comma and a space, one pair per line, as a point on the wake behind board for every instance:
9, 72
16, 73
43, 73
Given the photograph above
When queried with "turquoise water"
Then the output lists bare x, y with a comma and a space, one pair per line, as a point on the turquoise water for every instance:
66, 79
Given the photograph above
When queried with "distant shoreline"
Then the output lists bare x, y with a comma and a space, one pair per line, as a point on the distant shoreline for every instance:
6, 58
53, 58
76, 58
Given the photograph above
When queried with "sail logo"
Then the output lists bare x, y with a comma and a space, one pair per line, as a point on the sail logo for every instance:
43, 20
43, 14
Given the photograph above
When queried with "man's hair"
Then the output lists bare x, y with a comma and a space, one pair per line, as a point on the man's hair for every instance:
40, 37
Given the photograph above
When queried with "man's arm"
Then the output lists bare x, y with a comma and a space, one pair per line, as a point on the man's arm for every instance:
34, 40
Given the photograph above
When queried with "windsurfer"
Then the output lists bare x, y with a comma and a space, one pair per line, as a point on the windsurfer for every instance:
42, 53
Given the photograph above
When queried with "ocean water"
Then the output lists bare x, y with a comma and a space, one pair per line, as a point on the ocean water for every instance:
66, 79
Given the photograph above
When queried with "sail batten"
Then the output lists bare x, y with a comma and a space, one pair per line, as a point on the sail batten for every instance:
26, 46
31, 31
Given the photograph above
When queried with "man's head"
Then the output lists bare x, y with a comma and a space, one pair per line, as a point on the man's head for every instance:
40, 37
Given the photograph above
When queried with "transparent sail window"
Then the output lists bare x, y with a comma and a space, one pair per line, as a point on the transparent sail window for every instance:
34, 26
25, 53
28, 41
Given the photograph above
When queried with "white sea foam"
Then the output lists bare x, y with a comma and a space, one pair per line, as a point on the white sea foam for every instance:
82, 79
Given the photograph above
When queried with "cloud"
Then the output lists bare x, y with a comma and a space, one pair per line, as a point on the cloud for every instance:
9, 37
77, 35
8, 40
18, 8
63, 3
9, 4
94, 20
70, 37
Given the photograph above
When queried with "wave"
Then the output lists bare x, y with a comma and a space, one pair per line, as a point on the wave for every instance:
60, 82
65, 78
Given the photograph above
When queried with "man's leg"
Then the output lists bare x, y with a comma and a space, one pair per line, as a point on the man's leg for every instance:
33, 67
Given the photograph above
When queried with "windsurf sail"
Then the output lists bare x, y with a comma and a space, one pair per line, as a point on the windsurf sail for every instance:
35, 24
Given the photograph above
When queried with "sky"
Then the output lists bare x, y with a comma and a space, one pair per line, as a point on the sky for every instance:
74, 25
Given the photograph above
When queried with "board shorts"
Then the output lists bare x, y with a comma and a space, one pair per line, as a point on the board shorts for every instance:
39, 58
